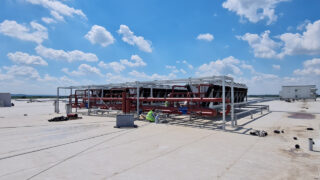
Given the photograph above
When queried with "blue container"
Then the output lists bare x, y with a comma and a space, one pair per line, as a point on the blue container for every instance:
183, 110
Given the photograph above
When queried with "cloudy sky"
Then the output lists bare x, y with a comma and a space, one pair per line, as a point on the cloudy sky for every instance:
263, 43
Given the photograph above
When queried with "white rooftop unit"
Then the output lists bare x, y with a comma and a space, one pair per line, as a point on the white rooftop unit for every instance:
5, 100
298, 92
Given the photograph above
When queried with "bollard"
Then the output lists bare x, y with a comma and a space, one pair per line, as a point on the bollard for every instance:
68, 109
311, 144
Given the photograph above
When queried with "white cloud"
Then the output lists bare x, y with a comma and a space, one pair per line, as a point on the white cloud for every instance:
69, 56
117, 78
172, 68
116, 66
37, 33
4, 77
99, 35
83, 69
186, 63
262, 45
144, 76
310, 67
254, 10
261, 83
26, 72
129, 37
26, 76
183, 71
247, 66
25, 58
137, 61
58, 9
206, 37
57, 16
275, 66
48, 20
306, 43
262, 77
175, 70
303, 25
225, 66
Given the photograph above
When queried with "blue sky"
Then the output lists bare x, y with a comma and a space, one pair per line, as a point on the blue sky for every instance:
264, 44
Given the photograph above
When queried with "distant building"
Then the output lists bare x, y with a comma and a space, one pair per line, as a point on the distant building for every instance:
5, 100
298, 92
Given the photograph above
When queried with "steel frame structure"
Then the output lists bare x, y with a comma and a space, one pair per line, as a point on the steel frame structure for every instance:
134, 102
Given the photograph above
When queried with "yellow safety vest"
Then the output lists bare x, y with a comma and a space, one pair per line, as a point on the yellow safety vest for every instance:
150, 116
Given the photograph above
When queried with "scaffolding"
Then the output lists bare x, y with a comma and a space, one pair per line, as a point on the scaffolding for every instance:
205, 96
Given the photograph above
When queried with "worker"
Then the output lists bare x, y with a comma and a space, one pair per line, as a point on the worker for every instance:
166, 104
151, 116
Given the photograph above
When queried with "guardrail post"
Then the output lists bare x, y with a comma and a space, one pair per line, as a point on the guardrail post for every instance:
232, 104
138, 96
224, 102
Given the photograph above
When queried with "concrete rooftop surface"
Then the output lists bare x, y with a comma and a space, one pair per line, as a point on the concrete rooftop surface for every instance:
91, 148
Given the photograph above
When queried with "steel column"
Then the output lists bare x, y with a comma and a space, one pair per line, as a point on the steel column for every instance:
71, 98
232, 104
57, 102
224, 102
88, 100
138, 96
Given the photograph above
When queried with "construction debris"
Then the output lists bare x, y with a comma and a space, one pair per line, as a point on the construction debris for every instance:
164, 121
276, 131
259, 133
60, 118
73, 116
63, 118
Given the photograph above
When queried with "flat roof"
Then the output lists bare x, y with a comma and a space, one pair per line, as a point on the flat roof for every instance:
300, 86
91, 148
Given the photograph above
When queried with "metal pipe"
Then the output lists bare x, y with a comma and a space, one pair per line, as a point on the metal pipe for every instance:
144, 99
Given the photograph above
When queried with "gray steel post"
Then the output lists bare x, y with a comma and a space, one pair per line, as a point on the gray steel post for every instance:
224, 102
88, 100
311, 144
71, 100
101, 96
138, 96
57, 102
232, 104
151, 94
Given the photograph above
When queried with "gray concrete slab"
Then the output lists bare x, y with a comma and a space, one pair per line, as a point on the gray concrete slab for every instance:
90, 148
